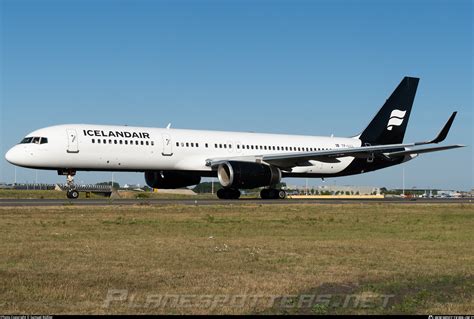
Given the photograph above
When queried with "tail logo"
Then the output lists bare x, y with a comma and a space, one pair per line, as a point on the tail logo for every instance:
396, 119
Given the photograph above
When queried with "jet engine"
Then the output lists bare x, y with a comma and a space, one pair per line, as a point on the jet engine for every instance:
171, 179
235, 174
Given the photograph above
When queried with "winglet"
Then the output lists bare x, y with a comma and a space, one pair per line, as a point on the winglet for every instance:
443, 133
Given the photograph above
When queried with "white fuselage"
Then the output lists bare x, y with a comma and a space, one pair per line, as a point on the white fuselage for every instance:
126, 148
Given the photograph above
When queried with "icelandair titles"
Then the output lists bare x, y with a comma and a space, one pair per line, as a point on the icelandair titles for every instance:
101, 133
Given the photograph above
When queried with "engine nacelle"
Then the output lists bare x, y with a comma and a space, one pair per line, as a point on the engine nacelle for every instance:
236, 174
171, 179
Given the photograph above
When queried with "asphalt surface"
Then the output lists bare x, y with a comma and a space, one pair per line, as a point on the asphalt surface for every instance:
197, 201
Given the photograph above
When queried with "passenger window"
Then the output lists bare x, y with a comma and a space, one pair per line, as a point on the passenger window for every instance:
126, 142
146, 142
136, 142
187, 144
177, 144
115, 141
152, 143
225, 145
206, 145
120, 142
93, 141
197, 144
105, 141
230, 145
192, 144
141, 142
220, 145
98, 141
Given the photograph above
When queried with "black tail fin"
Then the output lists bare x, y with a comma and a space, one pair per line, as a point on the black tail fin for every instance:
389, 124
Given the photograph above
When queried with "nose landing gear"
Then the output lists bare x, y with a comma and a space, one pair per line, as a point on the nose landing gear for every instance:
72, 194
71, 191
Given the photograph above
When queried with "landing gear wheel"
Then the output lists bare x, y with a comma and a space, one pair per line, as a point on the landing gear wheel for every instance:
228, 193
281, 194
271, 193
265, 193
72, 194
221, 193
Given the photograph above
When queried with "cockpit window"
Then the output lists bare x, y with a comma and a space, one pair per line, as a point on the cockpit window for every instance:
36, 140
26, 140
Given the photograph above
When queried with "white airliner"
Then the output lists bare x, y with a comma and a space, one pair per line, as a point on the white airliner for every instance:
175, 158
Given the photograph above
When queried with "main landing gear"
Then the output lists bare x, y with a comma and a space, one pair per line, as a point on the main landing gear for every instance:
272, 193
228, 193
266, 193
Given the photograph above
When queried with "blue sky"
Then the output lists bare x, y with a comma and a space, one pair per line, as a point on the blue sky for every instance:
295, 67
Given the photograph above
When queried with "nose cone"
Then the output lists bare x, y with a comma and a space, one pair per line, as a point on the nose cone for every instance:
13, 156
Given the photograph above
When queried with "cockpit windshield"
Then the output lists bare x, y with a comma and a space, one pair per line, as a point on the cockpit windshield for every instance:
26, 140
36, 140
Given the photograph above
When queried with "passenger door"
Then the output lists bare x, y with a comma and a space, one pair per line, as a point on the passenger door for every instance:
167, 145
72, 143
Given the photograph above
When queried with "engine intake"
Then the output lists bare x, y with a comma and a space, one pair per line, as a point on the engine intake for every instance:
234, 174
171, 179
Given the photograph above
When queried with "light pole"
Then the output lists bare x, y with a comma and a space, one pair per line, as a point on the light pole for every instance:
403, 181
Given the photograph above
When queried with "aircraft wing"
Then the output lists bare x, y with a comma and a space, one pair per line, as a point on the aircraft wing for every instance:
288, 160
422, 150
389, 152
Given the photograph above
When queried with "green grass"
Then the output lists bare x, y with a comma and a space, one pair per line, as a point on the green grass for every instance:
66, 259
